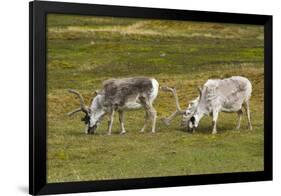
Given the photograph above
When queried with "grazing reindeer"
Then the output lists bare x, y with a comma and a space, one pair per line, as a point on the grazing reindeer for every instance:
118, 95
227, 95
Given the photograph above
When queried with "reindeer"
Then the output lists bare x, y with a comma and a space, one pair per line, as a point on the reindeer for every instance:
119, 95
226, 95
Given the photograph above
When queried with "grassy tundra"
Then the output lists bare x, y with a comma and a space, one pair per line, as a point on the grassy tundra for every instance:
84, 51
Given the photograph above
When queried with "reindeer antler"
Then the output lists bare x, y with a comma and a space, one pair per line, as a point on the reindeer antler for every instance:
82, 107
74, 111
178, 111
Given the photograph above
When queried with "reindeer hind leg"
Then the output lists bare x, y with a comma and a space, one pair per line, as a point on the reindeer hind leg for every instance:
247, 107
153, 115
150, 110
121, 120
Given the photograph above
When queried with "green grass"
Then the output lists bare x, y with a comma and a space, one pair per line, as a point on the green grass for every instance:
83, 51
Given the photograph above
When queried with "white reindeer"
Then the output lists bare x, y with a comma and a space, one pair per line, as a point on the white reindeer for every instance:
119, 95
226, 95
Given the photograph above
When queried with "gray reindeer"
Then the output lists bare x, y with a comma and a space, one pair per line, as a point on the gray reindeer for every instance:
119, 95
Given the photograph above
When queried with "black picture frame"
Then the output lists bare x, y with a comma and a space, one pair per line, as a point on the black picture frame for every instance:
37, 97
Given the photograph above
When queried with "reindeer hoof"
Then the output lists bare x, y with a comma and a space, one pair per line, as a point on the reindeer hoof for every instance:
108, 133
122, 132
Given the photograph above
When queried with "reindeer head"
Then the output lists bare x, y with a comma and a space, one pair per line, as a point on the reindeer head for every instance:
188, 115
194, 117
93, 114
188, 119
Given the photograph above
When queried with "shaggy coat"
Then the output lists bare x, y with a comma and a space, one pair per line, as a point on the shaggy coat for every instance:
118, 91
226, 95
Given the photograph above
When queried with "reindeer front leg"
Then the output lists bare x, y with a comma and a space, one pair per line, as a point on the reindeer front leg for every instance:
110, 122
239, 113
215, 115
145, 121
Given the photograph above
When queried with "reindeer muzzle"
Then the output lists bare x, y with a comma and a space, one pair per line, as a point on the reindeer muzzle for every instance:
91, 130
